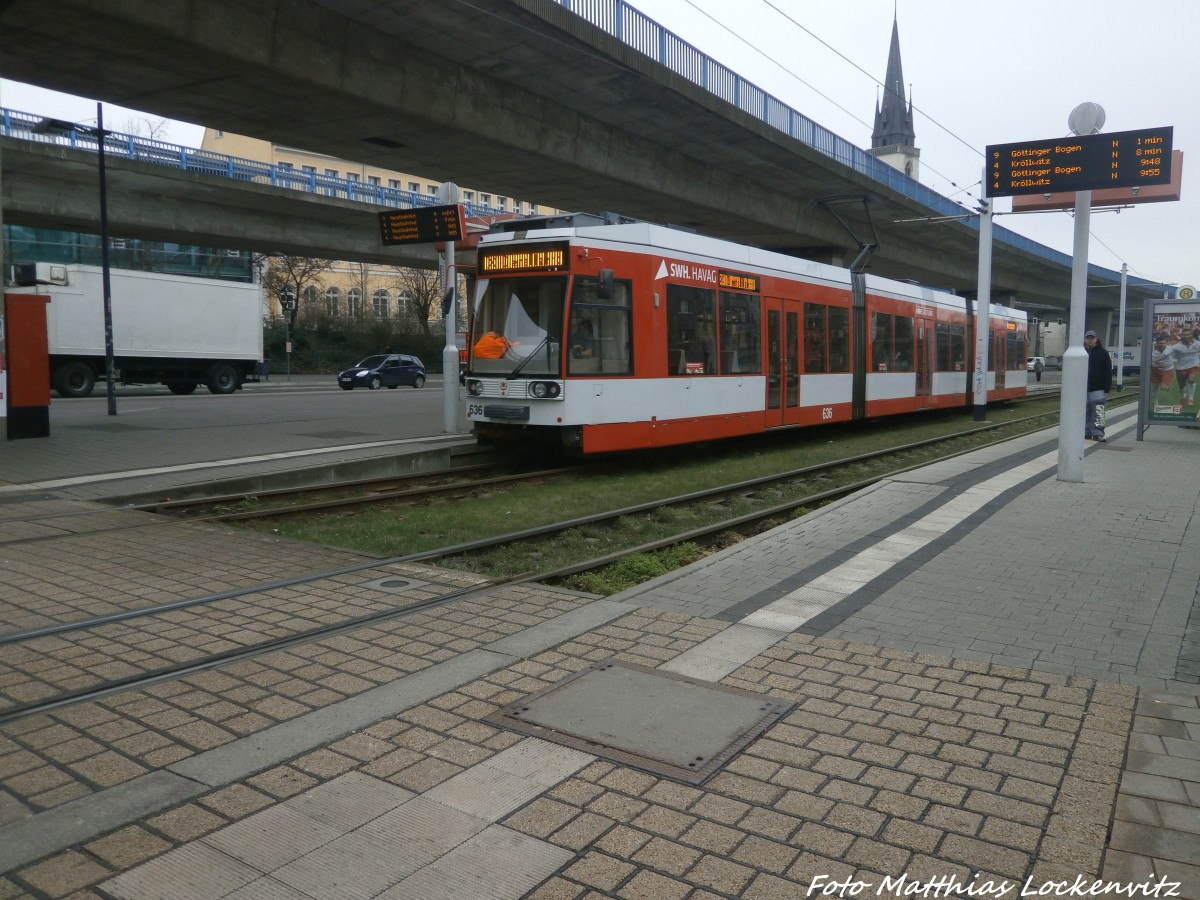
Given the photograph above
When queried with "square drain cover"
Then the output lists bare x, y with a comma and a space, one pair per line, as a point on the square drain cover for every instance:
671, 725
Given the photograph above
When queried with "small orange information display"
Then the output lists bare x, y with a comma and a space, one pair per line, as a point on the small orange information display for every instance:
424, 225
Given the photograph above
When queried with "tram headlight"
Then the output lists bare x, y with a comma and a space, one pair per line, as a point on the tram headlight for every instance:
474, 388
543, 390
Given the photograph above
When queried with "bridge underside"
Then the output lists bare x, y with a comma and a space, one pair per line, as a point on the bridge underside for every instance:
519, 96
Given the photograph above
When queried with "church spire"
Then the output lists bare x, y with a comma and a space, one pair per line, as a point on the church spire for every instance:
894, 139
893, 119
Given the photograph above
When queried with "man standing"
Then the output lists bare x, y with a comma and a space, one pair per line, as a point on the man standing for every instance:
1099, 383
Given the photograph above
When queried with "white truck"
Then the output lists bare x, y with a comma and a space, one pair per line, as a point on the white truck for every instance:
175, 330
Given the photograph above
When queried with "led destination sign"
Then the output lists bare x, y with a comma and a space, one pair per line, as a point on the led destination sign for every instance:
1080, 163
535, 258
424, 225
738, 281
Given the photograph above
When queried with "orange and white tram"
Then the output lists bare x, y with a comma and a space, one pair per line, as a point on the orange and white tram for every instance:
608, 337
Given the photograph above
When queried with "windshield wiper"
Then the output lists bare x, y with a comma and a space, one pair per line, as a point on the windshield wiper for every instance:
523, 363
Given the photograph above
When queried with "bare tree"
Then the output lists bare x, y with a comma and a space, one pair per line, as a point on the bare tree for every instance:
360, 280
294, 273
143, 126
420, 292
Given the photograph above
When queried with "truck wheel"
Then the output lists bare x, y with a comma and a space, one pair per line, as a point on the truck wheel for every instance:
74, 379
222, 379
375, 382
419, 381
182, 387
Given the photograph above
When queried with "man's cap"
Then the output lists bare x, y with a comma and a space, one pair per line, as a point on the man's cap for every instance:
1090, 334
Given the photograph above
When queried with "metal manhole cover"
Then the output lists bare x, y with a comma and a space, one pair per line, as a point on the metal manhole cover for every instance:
671, 725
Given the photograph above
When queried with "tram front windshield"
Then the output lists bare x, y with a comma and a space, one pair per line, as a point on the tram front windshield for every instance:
517, 328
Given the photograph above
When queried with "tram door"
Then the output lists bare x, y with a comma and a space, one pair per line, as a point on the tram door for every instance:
783, 361
925, 355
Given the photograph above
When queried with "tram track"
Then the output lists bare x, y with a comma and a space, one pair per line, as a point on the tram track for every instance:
44, 641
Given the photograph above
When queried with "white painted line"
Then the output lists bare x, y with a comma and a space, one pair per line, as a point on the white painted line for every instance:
217, 463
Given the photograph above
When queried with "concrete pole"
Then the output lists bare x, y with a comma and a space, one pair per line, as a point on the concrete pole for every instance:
983, 307
1073, 400
1121, 331
448, 192
450, 353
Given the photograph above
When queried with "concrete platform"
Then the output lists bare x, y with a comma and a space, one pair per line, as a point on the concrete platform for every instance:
996, 674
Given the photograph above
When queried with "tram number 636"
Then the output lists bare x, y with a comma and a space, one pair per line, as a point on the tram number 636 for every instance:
826, 412
474, 409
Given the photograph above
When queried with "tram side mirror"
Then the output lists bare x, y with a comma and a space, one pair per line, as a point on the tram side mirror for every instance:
604, 289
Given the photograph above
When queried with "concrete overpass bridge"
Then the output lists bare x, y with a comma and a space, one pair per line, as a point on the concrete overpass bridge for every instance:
600, 110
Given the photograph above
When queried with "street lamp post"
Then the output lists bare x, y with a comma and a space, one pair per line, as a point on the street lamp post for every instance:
110, 379
58, 126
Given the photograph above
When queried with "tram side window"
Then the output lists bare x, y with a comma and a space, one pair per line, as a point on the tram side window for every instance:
691, 332
951, 348
891, 343
816, 338
1016, 349
741, 333
881, 342
839, 339
599, 333
826, 338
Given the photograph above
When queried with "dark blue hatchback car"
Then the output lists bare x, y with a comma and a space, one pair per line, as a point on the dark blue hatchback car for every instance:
386, 370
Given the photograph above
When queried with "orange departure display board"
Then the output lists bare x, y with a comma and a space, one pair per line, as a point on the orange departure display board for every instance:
424, 225
1080, 163
549, 257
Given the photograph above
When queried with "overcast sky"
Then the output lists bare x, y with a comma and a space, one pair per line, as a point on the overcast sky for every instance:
978, 73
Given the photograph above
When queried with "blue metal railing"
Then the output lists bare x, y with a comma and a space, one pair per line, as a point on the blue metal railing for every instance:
188, 159
643, 34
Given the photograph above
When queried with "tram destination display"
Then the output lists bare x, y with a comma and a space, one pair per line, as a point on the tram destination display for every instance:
423, 225
1080, 163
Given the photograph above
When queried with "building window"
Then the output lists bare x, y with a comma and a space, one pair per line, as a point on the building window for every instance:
485, 199
354, 303
373, 179
502, 203
394, 183
217, 133
333, 302
310, 296
414, 187
381, 301
468, 196
311, 170
432, 190
332, 173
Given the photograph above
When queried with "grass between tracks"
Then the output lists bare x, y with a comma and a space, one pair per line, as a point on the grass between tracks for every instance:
397, 529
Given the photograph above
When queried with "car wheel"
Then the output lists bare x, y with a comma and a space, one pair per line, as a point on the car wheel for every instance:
375, 382
392, 387
182, 387
419, 381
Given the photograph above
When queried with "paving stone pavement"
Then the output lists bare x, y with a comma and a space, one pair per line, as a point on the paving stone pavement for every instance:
992, 691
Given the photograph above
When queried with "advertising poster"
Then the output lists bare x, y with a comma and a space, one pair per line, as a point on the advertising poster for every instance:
1174, 362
